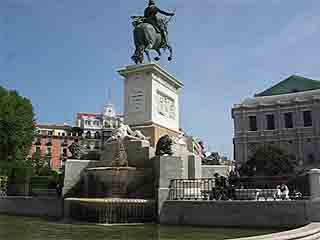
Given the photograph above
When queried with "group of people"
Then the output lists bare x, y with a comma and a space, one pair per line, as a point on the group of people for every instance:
225, 188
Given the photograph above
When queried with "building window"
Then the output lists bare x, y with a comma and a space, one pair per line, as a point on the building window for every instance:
63, 134
49, 151
96, 145
307, 118
97, 135
64, 142
65, 152
253, 123
88, 134
270, 122
38, 149
288, 121
49, 142
38, 141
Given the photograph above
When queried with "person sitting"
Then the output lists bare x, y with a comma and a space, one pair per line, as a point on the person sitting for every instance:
282, 192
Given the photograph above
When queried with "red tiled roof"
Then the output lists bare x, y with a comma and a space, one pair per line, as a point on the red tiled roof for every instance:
79, 115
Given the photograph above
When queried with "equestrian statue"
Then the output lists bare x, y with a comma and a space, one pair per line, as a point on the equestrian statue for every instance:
151, 33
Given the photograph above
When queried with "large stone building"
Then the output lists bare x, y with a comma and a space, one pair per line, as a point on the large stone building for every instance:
286, 115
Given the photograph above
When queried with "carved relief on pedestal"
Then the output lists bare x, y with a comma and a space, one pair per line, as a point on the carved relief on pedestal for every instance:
166, 105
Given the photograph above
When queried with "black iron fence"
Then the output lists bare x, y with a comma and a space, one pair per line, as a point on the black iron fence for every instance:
244, 188
40, 186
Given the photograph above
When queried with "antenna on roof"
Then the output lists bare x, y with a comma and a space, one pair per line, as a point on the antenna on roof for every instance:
109, 95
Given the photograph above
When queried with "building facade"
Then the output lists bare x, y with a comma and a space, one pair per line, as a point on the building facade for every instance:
52, 141
286, 115
97, 127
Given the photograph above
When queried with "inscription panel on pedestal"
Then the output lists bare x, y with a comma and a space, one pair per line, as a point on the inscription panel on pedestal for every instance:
137, 100
165, 105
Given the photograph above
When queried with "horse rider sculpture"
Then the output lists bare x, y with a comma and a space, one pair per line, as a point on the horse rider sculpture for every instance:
150, 14
150, 33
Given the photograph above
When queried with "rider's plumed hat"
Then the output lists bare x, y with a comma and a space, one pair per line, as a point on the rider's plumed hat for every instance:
151, 2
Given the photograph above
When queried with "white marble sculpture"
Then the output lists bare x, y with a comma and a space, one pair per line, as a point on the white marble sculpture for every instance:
124, 131
180, 140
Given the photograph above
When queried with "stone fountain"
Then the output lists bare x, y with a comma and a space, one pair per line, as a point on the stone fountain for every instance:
118, 188
129, 183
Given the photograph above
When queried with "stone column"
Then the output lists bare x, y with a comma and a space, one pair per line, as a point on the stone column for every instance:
314, 180
194, 167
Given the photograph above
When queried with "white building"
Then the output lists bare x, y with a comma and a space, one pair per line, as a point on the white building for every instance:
98, 126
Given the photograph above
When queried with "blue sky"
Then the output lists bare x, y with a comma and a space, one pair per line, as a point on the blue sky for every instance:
63, 54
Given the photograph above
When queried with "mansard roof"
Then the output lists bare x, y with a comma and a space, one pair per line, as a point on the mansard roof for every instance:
293, 84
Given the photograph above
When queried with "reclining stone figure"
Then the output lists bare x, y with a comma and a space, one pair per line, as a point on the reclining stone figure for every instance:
124, 131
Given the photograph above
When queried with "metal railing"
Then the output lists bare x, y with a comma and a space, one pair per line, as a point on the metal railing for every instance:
185, 189
245, 188
3, 186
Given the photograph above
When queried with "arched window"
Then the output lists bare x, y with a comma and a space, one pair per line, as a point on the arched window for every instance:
97, 135
88, 134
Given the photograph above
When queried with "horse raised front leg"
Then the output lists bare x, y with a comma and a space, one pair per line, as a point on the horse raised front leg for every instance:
148, 55
171, 53
159, 55
138, 56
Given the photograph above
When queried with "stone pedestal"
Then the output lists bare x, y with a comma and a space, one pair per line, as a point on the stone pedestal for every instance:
138, 152
151, 101
73, 172
154, 132
165, 169
194, 167
314, 180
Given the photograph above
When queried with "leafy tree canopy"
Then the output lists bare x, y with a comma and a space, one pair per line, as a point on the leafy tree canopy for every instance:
16, 126
269, 160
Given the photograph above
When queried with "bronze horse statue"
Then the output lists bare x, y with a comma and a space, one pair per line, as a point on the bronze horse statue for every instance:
146, 38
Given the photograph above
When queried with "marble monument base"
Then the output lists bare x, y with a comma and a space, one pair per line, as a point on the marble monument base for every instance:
154, 131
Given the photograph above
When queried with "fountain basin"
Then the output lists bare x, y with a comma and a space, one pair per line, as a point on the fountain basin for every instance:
110, 210
118, 182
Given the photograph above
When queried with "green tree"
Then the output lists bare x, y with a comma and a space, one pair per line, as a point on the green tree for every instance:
38, 163
16, 127
269, 160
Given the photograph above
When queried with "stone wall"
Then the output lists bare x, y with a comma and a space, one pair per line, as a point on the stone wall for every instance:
32, 207
208, 171
73, 173
236, 213
165, 169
